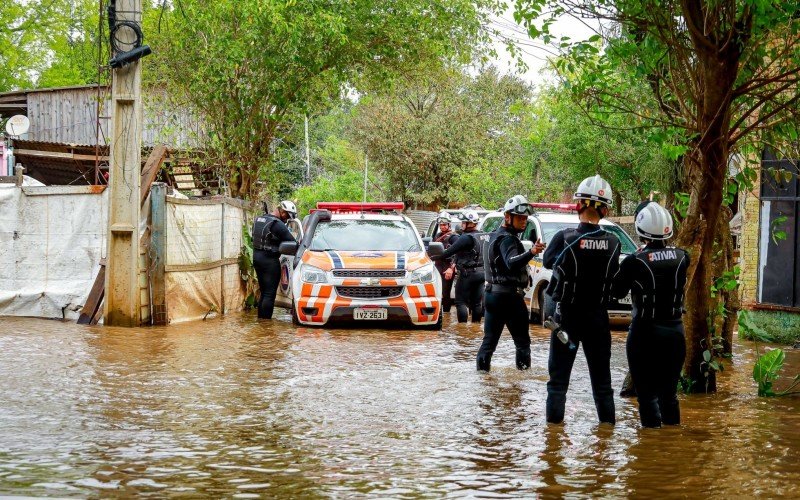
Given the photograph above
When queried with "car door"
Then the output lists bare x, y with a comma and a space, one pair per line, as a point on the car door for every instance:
284, 296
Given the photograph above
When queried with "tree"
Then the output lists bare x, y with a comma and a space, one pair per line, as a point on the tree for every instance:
247, 65
721, 74
438, 134
26, 32
570, 144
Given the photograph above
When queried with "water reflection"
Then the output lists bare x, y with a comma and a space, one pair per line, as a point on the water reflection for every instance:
237, 407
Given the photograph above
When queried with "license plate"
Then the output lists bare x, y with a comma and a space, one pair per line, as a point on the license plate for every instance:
376, 313
625, 300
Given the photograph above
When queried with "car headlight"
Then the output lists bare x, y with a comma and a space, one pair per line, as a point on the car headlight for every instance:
313, 274
423, 275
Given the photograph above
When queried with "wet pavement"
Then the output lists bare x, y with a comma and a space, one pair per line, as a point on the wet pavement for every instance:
234, 407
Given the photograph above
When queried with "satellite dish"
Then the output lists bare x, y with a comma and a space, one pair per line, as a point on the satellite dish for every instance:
18, 125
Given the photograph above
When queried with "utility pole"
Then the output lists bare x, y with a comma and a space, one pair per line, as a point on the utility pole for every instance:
366, 168
308, 154
122, 268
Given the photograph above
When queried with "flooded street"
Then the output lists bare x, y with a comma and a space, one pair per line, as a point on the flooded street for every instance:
238, 408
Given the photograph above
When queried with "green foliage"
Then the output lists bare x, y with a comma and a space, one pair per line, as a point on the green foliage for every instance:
439, 134
765, 373
345, 185
248, 65
769, 326
776, 233
246, 269
569, 141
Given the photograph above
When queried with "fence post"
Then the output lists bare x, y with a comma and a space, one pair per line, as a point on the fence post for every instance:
158, 214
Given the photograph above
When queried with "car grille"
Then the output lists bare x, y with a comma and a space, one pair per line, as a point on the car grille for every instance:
369, 292
369, 273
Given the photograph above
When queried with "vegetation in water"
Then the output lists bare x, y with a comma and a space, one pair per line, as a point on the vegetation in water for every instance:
766, 371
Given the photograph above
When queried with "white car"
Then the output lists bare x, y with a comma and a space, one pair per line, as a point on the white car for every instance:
360, 262
543, 225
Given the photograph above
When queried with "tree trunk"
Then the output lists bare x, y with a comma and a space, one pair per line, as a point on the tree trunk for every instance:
730, 299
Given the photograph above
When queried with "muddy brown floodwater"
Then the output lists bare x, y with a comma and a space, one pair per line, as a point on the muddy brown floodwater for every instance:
234, 407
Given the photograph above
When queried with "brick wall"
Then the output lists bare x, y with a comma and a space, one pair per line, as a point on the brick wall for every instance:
749, 251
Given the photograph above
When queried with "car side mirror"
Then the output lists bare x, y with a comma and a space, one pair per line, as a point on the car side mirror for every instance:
288, 248
435, 249
427, 241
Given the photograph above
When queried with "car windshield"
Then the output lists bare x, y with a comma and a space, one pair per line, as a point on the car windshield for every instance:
551, 228
361, 234
491, 223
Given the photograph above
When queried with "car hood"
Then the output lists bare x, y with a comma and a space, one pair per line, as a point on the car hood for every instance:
365, 259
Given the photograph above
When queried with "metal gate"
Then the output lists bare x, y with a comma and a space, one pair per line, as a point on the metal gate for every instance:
779, 239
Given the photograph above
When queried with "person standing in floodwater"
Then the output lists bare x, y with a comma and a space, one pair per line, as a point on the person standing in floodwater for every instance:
446, 267
269, 231
506, 264
655, 275
466, 252
584, 261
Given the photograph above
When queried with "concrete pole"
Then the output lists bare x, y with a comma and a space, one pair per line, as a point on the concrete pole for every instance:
122, 270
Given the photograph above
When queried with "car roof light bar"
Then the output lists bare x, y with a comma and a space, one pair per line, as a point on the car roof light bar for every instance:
355, 207
562, 207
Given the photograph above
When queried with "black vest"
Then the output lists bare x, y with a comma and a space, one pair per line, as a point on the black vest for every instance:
658, 281
263, 239
583, 272
472, 259
497, 272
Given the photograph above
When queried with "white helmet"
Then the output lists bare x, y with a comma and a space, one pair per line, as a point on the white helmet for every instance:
518, 205
470, 216
654, 222
594, 189
443, 217
290, 208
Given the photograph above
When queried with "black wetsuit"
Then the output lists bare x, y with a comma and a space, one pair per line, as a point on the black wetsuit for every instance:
584, 261
447, 239
268, 233
656, 347
467, 255
506, 263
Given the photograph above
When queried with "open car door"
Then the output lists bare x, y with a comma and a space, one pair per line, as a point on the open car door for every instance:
284, 296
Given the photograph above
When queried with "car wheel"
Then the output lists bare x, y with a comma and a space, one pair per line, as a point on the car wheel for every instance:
438, 325
548, 307
295, 319
536, 316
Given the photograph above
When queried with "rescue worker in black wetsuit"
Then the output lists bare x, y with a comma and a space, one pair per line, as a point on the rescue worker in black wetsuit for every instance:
269, 231
506, 265
655, 275
446, 267
584, 261
468, 260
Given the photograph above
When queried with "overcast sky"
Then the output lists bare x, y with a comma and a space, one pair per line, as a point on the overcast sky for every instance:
534, 52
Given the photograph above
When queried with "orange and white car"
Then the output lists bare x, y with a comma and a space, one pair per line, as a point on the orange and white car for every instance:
361, 262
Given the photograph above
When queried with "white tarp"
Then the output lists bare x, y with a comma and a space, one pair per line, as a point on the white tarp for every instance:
204, 240
51, 241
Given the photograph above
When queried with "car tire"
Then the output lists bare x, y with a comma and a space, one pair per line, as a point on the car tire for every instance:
535, 316
295, 319
438, 325
548, 307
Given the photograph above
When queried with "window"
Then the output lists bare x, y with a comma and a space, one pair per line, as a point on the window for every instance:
779, 238
359, 234
491, 223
